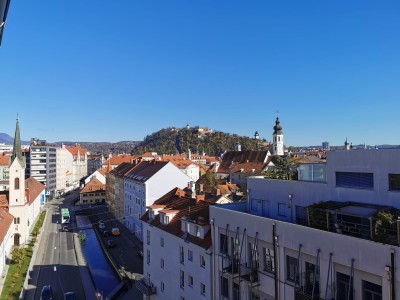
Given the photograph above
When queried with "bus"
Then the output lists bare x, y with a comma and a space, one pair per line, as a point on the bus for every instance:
65, 217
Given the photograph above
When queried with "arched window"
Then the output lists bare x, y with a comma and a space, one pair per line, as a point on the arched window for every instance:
16, 183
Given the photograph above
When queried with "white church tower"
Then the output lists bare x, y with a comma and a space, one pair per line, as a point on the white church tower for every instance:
17, 199
277, 138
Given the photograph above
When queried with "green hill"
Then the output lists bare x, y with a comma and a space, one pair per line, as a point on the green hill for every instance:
173, 141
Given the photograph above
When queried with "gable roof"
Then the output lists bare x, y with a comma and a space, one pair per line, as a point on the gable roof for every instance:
33, 189
122, 169
6, 220
93, 186
75, 150
117, 160
4, 160
233, 157
183, 206
144, 170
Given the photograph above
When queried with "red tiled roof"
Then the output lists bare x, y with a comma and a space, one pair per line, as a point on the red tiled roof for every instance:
4, 160
4, 200
75, 149
117, 160
94, 186
33, 189
6, 220
183, 206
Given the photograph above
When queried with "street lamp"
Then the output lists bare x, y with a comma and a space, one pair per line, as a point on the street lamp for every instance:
290, 206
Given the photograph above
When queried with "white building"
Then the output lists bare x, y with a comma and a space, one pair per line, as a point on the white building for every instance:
269, 247
177, 247
64, 170
144, 184
6, 241
79, 164
42, 165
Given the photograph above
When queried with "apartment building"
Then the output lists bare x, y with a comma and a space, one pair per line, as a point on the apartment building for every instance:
330, 235
177, 247
41, 164
79, 164
144, 184
64, 171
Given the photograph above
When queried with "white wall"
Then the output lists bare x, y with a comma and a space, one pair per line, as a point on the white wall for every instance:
370, 257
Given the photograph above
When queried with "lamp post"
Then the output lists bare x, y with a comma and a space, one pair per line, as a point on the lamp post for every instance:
290, 207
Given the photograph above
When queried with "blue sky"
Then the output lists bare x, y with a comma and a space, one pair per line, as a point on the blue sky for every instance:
119, 70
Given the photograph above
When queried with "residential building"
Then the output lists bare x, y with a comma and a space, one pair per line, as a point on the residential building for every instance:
4, 171
42, 165
94, 192
79, 164
95, 162
115, 161
188, 168
144, 184
115, 189
321, 237
64, 180
100, 174
6, 242
177, 247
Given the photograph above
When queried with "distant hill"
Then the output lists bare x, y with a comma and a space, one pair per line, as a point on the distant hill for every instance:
173, 140
8, 140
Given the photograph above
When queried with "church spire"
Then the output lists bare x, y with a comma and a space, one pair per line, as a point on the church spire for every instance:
17, 152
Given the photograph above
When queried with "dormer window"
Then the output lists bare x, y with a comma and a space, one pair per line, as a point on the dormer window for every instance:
164, 219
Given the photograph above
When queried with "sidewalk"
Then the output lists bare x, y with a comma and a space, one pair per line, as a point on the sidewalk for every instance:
126, 261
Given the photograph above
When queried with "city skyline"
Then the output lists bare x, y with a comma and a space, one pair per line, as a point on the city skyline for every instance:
101, 73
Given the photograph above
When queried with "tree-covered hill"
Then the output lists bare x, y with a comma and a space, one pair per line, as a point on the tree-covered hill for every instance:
174, 140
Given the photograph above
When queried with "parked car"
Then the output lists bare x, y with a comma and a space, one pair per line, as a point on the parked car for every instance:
47, 293
70, 296
115, 231
106, 233
102, 226
111, 243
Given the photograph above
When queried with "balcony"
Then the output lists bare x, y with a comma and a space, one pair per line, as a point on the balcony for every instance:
146, 287
249, 274
232, 267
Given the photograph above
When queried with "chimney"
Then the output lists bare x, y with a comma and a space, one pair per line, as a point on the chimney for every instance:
201, 188
200, 198
217, 192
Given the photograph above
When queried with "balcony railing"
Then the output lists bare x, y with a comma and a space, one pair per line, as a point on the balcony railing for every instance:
147, 288
232, 266
249, 274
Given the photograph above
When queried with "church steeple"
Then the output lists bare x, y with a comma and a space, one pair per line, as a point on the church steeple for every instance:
17, 152
277, 138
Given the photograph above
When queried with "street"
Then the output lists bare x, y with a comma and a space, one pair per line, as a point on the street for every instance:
55, 263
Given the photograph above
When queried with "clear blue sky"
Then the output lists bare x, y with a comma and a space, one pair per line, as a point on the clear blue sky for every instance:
119, 70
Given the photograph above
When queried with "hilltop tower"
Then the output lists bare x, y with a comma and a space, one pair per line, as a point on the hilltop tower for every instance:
277, 138
238, 147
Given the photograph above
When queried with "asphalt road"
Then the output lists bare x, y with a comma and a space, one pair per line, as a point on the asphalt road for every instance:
55, 263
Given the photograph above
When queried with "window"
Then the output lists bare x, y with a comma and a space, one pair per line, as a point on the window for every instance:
162, 242
190, 280
291, 269
311, 279
16, 183
224, 287
190, 255
148, 256
182, 279
203, 289
343, 285
181, 255
394, 182
282, 209
268, 255
371, 291
202, 261
355, 180
148, 237
162, 287
16, 220
197, 229
162, 263
223, 243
